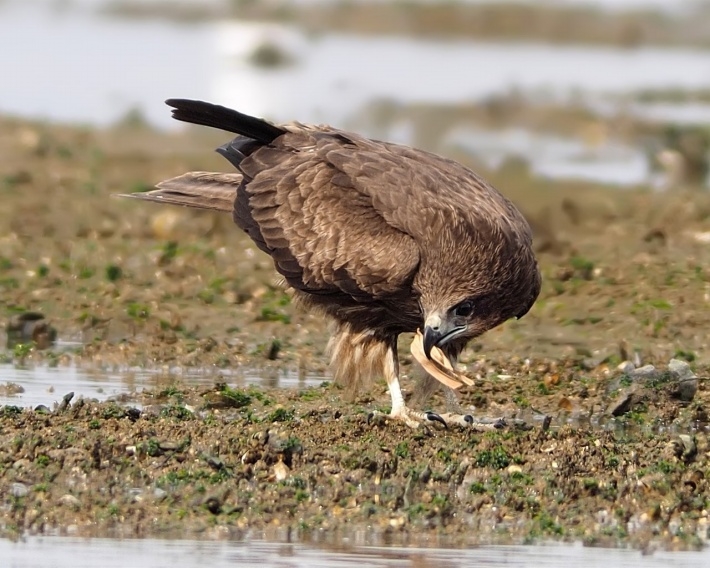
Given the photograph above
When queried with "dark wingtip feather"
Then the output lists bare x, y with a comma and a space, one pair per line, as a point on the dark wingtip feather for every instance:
223, 118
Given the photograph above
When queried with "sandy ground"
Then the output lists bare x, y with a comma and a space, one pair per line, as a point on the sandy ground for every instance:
623, 461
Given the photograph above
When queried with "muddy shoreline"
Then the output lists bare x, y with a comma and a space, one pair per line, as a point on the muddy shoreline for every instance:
623, 463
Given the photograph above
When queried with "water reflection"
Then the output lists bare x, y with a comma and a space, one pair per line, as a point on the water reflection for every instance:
29, 387
555, 156
82, 67
89, 553
337, 75
78, 66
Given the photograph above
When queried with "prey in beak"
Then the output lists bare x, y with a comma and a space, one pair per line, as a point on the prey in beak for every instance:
439, 329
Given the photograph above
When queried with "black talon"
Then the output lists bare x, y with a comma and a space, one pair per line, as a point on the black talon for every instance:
434, 417
500, 423
468, 419
370, 416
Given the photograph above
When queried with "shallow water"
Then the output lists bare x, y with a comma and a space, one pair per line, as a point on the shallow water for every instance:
61, 552
555, 156
77, 66
47, 385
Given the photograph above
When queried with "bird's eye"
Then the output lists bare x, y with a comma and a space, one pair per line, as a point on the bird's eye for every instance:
464, 309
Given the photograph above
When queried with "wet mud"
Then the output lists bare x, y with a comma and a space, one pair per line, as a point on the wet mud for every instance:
602, 385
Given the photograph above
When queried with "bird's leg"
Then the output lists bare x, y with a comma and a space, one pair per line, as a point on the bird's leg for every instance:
455, 414
400, 411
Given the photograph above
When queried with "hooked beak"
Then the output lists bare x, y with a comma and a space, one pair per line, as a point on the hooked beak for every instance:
437, 331
431, 338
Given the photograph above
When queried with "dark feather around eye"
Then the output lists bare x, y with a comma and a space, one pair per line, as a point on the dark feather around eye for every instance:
464, 309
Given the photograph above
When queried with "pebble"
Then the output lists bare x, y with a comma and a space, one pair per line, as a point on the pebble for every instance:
281, 471
687, 381
646, 372
70, 501
621, 404
22, 463
687, 447
627, 367
213, 505
19, 490
679, 372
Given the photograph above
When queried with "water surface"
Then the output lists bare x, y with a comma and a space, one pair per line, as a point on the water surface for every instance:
67, 552
78, 66
47, 385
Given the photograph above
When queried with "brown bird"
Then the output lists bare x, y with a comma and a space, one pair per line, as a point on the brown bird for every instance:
383, 238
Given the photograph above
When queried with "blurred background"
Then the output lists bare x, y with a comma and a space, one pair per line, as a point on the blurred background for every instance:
610, 91
592, 115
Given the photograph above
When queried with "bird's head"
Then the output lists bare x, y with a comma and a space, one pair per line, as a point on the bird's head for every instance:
464, 295
451, 327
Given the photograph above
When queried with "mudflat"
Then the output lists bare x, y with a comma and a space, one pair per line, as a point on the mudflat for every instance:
602, 384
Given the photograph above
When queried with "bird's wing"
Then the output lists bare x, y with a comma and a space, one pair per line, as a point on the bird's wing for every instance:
321, 228
415, 190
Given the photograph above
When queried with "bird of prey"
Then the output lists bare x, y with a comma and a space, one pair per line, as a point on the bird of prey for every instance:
383, 238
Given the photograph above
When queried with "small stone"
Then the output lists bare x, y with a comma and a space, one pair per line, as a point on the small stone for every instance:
515, 469
70, 501
250, 456
686, 379
687, 448
627, 367
646, 372
679, 368
159, 493
19, 490
22, 463
133, 414
66, 400
425, 475
214, 462
621, 404
213, 505
281, 471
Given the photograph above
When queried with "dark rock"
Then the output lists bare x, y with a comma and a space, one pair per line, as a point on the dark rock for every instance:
686, 381
645, 373
66, 400
622, 404
30, 327
213, 505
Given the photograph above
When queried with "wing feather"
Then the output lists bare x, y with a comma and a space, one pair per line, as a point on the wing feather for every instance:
338, 240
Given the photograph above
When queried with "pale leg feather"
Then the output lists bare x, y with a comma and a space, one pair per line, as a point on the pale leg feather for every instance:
399, 410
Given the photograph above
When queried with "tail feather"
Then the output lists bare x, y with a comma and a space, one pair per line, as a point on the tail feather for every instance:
199, 190
223, 118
